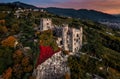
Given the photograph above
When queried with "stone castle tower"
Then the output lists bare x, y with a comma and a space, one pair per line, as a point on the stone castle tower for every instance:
72, 39
45, 24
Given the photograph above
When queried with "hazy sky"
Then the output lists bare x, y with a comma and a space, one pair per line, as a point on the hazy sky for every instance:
107, 6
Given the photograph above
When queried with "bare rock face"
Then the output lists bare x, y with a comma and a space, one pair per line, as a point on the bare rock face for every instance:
53, 68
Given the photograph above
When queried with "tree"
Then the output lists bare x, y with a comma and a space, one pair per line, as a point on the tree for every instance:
28, 68
5, 58
10, 19
17, 71
17, 56
8, 73
25, 61
15, 28
2, 22
9, 41
3, 29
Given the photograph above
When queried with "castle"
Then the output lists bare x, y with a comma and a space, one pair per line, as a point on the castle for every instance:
69, 39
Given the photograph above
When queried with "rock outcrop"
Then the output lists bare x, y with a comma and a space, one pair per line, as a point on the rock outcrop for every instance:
54, 67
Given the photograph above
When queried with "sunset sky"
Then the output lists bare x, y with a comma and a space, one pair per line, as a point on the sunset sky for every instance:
107, 6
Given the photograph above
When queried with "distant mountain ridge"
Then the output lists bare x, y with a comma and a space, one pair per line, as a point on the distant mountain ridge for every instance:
19, 4
81, 13
104, 18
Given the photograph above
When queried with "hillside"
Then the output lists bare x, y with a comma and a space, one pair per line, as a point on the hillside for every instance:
100, 53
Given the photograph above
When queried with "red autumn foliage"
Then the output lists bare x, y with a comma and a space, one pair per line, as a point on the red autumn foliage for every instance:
45, 53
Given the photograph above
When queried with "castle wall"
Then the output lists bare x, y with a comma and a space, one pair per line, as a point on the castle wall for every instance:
64, 38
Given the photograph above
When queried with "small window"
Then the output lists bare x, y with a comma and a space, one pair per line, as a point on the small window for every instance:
47, 23
67, 41
77, 35
61, 42
76, 40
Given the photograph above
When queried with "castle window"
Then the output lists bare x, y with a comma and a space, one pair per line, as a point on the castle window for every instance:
61, 42
76, 40
47, 23
67, 41
75, 49
77, 35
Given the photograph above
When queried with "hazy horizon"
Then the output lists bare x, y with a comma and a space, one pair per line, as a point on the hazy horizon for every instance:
106, 6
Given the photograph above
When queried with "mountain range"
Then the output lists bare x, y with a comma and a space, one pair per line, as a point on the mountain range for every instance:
81, 13
18, 4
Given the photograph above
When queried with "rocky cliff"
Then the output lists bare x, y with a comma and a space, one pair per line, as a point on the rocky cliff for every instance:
54, 67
